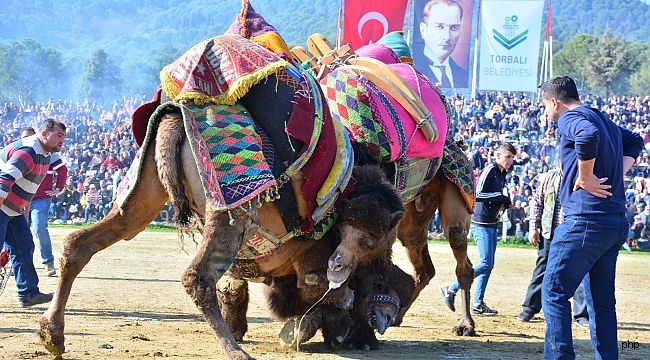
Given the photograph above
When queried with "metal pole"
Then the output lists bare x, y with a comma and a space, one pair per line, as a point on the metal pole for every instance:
476, 44
550, 38
339, 30
541, 68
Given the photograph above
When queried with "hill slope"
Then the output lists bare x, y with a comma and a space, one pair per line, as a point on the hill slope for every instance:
140, 36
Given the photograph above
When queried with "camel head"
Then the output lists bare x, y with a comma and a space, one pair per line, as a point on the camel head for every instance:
382, 310
368, 225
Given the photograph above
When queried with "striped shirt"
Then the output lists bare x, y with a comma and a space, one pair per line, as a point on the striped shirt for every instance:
23, 166
56, 167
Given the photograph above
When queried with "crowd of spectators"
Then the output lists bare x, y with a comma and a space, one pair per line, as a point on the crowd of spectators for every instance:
519, 119
99, 148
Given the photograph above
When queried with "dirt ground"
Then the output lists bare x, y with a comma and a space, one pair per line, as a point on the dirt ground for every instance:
128, 303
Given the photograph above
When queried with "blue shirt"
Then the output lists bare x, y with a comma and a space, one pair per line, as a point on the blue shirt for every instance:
585, 134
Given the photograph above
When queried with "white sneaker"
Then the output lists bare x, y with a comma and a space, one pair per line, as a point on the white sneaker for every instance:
50, 269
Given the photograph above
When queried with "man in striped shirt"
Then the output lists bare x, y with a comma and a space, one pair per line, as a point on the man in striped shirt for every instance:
23, 166
39, 208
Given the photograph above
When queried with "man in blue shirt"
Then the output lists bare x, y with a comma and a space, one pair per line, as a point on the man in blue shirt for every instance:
595, 154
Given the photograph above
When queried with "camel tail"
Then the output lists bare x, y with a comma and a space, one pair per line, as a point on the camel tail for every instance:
169, 141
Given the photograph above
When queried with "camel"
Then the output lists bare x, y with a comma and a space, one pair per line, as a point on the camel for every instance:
169, 173
164, 177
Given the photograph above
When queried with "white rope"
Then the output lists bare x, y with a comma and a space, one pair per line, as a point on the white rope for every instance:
296, 332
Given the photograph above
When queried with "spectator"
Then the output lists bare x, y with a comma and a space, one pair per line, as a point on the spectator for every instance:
490, 203
39, 207
545, 216
25, 162
635, 232
90, 202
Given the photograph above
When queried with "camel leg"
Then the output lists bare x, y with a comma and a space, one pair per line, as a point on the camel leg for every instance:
456, 221
412, 233
215, 254
79, 247
233, 297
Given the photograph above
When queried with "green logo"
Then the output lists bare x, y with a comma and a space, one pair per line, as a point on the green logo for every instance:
510, 27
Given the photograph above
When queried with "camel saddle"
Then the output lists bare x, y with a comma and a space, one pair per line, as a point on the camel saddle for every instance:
326, 58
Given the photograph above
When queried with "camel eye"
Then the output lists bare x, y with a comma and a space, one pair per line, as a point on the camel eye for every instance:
368, 242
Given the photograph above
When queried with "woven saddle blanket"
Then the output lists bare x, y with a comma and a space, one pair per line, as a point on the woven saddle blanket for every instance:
219, 70
377, 121
227, 151
457, 168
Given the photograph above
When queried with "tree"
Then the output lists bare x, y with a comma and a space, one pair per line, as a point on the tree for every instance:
101, 79
611, 60
571, 58
640, 80
30, 71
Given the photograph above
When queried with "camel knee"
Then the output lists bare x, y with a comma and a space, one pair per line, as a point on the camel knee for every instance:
200, 289
233, 290
457, 236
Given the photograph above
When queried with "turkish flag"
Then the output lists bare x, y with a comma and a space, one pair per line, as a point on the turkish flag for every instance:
366, 21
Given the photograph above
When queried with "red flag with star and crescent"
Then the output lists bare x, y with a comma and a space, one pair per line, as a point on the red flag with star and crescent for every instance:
366, 22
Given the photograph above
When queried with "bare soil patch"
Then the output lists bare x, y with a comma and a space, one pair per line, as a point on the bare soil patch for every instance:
129, 303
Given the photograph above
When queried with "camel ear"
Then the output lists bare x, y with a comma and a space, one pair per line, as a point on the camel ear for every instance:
395, 218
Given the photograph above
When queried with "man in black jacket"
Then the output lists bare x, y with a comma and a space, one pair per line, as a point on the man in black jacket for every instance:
490, 204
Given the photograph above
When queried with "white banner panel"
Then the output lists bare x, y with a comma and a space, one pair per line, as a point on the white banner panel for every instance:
510, 42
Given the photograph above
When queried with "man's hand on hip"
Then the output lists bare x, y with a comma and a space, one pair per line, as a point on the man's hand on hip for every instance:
593, 185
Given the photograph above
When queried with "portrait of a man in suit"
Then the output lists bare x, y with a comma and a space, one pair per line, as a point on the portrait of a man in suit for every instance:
440, 28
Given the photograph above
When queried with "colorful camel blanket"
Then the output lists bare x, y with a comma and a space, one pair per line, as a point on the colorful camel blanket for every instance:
227, 151
219, 70
377, 121
457, 168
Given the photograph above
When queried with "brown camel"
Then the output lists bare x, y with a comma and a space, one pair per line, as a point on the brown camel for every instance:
296, 274
164, 176
440, 193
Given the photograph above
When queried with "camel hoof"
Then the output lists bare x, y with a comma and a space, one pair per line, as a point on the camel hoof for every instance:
288, 336
463, 331
51, 337
364, 339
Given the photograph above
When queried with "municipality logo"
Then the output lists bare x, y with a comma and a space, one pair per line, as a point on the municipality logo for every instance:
511, 36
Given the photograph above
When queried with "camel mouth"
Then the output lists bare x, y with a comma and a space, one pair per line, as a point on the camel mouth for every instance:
339, 268
337, 278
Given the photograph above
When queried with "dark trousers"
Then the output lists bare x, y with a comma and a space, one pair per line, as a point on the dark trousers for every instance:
533, 301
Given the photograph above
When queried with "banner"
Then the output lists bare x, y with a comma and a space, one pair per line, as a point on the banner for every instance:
510, 42
366, 22
441, 41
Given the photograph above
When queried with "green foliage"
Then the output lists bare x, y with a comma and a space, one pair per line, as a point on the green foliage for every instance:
571, 59
611, 61
640, 81
101, 79
30, 71
141, 37
629, 19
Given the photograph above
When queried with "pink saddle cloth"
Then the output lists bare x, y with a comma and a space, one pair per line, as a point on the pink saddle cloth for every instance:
419, 146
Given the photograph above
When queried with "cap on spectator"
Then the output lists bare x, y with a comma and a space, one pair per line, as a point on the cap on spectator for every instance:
92, 186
